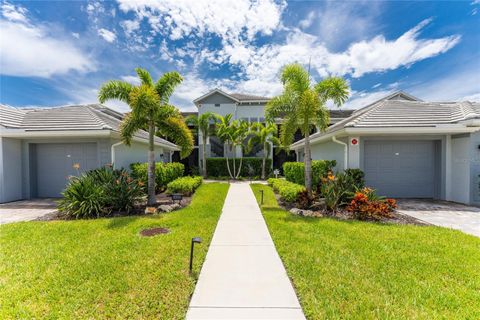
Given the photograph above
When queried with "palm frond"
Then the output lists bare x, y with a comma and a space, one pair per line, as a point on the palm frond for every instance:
167, 84
333, 88
129, 126
176, 130
295, 77
115, 89
145, 77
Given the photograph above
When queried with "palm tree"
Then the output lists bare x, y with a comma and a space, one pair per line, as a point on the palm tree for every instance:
263, 135
203, 124
233, 134
151, 111
302, 107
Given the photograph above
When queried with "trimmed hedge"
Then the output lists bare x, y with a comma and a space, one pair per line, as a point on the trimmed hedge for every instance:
164, 173
217, 167
295, 171
184, 185
288, 191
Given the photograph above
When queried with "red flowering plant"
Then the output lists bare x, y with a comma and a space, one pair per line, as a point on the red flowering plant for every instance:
367, 205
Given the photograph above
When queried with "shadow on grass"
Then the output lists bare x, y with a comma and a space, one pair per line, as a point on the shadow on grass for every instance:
121, 222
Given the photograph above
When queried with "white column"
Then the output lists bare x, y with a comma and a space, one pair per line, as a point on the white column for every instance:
448, 168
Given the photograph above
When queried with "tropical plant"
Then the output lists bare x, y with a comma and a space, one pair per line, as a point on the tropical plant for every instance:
264, 135
151, 111
302, 107
233, 134
203, 123
184, 185
367, 205
252, 167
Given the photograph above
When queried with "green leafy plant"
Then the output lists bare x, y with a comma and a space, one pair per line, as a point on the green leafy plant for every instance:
150, 111
295, 171
358, 177
205, 127
184, 185
100, 192
164, 173
337, 190
302, 106
288, 191
264, 135
252, 167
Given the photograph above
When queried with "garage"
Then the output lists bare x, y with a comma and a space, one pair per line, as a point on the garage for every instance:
401, 169
55, 163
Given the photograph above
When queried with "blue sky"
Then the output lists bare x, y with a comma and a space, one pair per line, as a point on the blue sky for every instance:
57, 53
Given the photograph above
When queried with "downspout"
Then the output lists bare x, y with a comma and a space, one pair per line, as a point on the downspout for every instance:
112, 152
345, 151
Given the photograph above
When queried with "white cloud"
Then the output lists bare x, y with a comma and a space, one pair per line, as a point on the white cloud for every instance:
130, 26
30, 50
361, 99
232, 19
14, 13
76, 35
107, 35
377, 85
458, 85
131, 79
307, 22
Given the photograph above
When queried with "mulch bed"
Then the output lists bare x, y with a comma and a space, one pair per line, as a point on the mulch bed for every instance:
342, 214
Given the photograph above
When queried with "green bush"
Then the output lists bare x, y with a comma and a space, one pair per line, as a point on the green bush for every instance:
217, 167
164, 173
339, 189
295, 172
357, 176
100, 192
288, 191
184, 185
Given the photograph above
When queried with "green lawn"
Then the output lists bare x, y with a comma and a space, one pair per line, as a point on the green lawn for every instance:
103, 268
361, 270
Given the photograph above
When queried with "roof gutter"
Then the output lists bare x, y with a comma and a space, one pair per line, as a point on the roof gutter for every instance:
345, 151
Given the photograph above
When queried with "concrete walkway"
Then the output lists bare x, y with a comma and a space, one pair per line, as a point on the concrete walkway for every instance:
243, 276
26, 210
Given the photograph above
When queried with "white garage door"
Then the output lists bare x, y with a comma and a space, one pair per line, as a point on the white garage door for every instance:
403, 169
55, 164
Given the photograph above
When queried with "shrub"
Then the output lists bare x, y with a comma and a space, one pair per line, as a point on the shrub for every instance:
184, 185
100, 192
295, 171
217, 167
339, 190
164, 173
288, 191
366, 205
357, 176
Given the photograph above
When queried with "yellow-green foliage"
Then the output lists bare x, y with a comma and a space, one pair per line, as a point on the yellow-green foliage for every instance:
288, 191
184, 185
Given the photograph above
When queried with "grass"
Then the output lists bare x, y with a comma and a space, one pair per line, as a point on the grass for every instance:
362, 270
102, 268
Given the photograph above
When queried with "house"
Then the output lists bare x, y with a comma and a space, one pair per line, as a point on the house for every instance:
408, 148
39, 147
245, 107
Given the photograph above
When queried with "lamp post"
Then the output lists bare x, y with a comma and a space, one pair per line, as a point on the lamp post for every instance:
194, 240
261, 202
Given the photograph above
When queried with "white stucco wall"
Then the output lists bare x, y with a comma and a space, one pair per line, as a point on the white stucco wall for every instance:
328, 151
10, 169
460, 169
475, 168
136, 152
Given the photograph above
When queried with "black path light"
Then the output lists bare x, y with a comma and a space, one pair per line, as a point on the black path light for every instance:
194, 240
261, 202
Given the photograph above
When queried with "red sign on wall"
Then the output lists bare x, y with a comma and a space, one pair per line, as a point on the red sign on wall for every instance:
354, 141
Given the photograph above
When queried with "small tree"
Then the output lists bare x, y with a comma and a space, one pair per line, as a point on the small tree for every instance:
233, 134
151, 111
302, 106
264, 135
203, 124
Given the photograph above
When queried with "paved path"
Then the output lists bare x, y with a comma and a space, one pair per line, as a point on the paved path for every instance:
26, 210
243, 276
443, 214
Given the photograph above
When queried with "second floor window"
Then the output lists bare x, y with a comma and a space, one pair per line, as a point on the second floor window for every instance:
217, 104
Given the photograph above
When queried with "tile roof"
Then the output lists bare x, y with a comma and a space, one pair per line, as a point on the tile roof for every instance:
77, 118
248, 97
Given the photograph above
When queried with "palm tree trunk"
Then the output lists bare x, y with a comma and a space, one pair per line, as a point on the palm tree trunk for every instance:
234, 160
264, 161
204, 153
239, 167
151, 165
228, 164
307, 160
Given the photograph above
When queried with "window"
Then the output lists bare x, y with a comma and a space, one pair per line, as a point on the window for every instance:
217, 104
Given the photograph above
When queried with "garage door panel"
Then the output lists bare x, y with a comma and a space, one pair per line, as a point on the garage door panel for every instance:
400, 168
55, 165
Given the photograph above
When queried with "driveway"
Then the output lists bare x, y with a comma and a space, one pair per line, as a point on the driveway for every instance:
26, 210
443, 214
